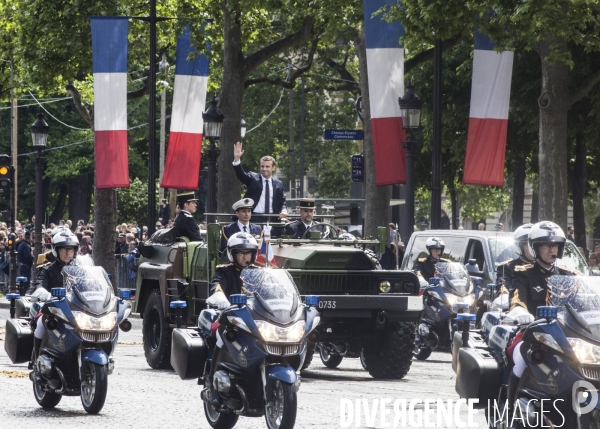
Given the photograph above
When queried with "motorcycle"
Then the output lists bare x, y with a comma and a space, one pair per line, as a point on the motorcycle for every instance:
82, 321
265, 332
450, 293
559, 387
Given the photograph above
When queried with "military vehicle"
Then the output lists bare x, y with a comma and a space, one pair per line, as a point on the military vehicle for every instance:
365, 311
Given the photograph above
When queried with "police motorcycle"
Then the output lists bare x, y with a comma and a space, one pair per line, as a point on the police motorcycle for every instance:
561, 348
446, 295
82, 321
265, 333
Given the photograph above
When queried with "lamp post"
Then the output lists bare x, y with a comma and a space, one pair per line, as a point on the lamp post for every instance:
410, 110
213, 121
39, 135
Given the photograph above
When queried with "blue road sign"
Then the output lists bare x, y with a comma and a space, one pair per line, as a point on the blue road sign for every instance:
357, 168
343, 135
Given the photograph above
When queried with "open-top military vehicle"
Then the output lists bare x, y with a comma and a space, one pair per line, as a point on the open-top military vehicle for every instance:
365, 311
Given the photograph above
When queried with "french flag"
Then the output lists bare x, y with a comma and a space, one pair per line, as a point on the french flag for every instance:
265, 255
488, 117
109, 56
182, 165
385, 65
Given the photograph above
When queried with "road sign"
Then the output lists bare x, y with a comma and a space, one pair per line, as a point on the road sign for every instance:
357, 168
343, 135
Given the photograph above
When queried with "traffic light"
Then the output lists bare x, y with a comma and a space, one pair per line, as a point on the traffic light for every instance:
5, 171
11, 241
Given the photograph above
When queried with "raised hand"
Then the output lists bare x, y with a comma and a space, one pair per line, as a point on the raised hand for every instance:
237, 151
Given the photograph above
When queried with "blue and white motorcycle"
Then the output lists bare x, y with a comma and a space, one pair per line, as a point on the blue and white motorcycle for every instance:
82, 321
265, 333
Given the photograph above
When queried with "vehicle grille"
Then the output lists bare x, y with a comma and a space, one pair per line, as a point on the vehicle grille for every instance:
591, 372
336, 283
283, 349
96, 337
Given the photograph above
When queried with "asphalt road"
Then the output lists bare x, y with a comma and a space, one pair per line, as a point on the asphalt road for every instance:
140, 397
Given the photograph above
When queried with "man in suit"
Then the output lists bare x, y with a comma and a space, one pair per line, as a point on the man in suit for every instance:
307, 211
185, 224
243, 211
263, 189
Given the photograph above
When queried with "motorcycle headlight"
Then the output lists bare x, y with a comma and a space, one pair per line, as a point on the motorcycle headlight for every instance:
91, 323
453, 299
585, 352
273, 333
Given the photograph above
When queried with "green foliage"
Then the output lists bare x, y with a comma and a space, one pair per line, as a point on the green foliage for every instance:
132, 202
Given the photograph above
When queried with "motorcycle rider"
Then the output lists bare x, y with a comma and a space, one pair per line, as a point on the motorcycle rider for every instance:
242, 250
64, 249
506, 269
426, 266
546, 244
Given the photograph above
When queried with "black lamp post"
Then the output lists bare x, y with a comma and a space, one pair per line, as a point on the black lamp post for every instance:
213, 122
410, 110
39, 135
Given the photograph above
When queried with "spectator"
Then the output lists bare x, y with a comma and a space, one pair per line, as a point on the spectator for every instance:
392, 233
70, 224
121, 246
499, 227
597, 247
129, 237
25, 259
571, 233
481, 227
134, 225
203, 225
164, 212
594, 261
131, 258
144, 233
159, 226
85, 248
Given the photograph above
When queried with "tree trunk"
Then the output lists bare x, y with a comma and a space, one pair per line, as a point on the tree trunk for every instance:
553, 106
105, 223
455, 208
578, 189
59, 208
535, 207
377, 198
518, 192
78, 199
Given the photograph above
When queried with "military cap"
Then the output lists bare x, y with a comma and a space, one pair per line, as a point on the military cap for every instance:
307, 203
244, 203
186, 197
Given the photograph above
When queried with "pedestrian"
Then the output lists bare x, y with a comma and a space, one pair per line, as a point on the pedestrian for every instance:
121, 246
25, 259
571, 233
164, 212
481, 227
131, 258
263, 189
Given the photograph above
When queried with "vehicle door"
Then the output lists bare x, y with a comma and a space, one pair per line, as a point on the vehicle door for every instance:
478, 251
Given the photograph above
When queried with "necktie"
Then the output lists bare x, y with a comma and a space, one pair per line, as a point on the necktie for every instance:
245, 228
267, 197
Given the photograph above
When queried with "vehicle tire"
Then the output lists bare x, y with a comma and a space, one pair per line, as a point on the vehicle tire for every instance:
310, 353
47, 400
156, 333
392, 360
94, 386
219, 420
422, 353
280, 412
363, 362
330, 361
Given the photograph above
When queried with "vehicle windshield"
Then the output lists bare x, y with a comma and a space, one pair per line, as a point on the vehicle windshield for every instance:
453, 277
502, 249
88, 287
578, 302
573, 260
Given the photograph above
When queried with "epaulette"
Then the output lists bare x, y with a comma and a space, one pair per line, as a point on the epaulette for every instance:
223, 232
505, 262
422, 259
570, 270
44, 265
224, 265
445, 260
523, 267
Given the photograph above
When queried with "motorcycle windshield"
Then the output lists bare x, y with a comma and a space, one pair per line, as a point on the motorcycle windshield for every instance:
454, 278
272, 293
88, 288
578, 302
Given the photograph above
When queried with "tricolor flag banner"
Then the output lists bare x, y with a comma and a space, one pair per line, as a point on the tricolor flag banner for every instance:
182, 165
488, 118
109, 55
265, 255
385, 65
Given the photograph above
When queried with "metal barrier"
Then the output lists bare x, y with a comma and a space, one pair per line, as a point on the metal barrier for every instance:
122, 280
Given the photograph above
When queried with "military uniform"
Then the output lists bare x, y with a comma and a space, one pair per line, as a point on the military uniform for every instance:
186, 226
49, 276
505, 273
297, 228
530, 285
227, 279
426, 267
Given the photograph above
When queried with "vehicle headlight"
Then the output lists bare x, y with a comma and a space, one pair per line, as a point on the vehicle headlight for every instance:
273, 333
385, 286
453, 299
585, 352
91, 323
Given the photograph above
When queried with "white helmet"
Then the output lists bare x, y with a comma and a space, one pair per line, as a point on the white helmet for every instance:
520, 236
546, 232
64, 238
434, 243
346, 236
241, 241
58, 229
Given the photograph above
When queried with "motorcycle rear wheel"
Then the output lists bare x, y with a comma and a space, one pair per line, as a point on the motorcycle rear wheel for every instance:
219, 420
93, 387
329, 360
47, 400
280, 412
422, 353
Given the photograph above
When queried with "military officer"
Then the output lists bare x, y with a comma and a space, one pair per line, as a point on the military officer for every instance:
505, 270
185, 224
243, 211
307, 212
426, 266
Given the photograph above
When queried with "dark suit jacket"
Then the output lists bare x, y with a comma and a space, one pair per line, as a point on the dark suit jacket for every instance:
253, 182
296, 228
186, 226
231, 229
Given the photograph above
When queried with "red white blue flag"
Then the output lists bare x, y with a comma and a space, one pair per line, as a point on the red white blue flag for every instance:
265, 255
182, 165
488, 118
109, 55
385, 65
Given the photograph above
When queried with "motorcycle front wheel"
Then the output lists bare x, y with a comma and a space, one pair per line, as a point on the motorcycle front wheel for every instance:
219, 420
329, 360
47, 400
280, 411
94, 385
422, 353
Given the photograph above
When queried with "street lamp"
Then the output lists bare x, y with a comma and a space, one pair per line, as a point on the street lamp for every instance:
410, 110
213, 122
39, 135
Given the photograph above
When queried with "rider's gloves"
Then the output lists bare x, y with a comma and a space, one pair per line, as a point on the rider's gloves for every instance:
218, 300
41, 294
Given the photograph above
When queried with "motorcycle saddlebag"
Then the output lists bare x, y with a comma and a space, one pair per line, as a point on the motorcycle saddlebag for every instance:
188, 353
475, 340
478, 376
18, 342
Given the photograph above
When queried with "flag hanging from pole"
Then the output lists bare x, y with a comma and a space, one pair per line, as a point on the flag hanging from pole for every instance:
109, 56
265, 255
488, 117
385, 65
182, 165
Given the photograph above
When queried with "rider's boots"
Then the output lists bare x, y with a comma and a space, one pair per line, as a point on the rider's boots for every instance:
511, 396
215, 399
37, 344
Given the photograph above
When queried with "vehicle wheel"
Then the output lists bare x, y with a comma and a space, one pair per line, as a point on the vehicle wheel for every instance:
310, 352
47, 400
363, 362
94, 386
280, 412
393, 359
219, 420
156, 333
422, 353
330, 361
